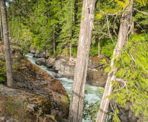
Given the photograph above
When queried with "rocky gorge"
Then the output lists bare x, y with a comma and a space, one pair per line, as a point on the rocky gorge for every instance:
38, 96
64, 67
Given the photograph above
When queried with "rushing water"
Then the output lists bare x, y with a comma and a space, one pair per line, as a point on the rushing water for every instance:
93, 92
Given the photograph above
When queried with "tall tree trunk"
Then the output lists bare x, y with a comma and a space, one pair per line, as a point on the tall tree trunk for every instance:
19, 29
71, 33
54, 42
125, 25
70, 49
76, 104
0, 24
0, 27
6, 44
12, 24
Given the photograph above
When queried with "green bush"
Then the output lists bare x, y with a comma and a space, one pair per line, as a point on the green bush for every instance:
133, 68
2, 72
107, 49
94, 50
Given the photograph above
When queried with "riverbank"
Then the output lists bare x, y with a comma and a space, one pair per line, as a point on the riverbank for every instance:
36, 95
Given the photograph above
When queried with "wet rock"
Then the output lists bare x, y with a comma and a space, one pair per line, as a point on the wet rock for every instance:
39, 54
30, 107
64, 69
8, 119
32, 50
2, 119
47, 118
50, 62
62, 57
41, 61
11, 120
64, 66
96, 77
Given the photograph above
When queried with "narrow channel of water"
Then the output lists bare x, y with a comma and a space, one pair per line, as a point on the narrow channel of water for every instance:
93, 93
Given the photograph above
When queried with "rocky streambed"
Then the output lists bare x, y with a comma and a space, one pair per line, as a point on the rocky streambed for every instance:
92, 95
64, 67
39, 91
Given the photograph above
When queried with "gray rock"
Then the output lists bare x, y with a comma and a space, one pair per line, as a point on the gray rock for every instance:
2, 119
30, 107
41, 61
11, 120
32, 50
96, 77
39, 54
64, 69
50, 62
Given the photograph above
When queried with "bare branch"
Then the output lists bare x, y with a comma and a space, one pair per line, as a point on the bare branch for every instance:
142, 12
109, 30
111, 14
122, 81
132, 57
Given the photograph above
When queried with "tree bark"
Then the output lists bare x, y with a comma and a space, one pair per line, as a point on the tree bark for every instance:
70, 49
19, 29
76, 104
71, 33
54, 42
11, 32
125, 25
0, 28
99, 49
0, 25
6, 44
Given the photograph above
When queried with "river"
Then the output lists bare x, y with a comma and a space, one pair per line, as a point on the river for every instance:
92, 94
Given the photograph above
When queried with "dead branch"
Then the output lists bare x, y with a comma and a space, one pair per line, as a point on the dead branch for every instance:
142, 12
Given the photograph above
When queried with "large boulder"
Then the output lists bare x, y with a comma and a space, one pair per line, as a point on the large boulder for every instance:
95, 75
21, 106
64, 68
32, 50
50, 62
40, 54
34, 83
41, 61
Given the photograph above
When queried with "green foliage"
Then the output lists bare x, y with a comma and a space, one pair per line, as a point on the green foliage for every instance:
94, 50
141, 24
107, 49
53, 25
90, 110
2, 72
133, 69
